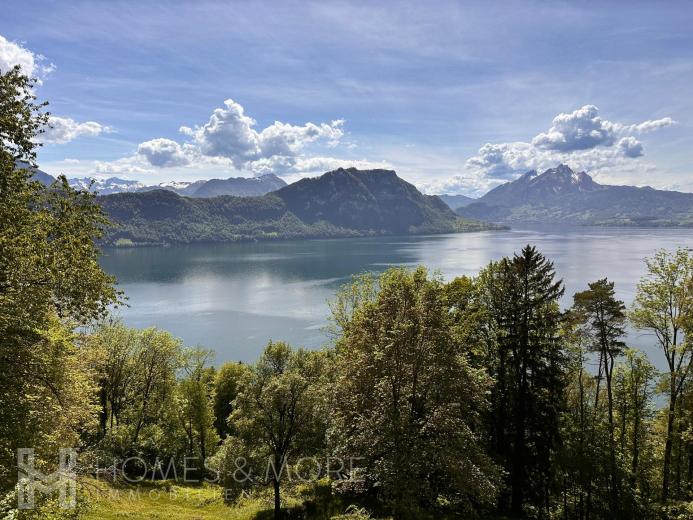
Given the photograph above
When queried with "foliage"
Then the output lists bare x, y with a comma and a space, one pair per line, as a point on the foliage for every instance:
278, 419
527, 365
408, 403
663, 305
50, 281
227, 384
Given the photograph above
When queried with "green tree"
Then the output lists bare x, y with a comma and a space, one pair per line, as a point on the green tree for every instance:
634, 388
195, 402
602, 320
227, 384
522, 298
663, 305
50, 281
136, 372
407, 400
278, 414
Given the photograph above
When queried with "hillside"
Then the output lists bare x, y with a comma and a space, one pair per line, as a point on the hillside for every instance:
560, 195
340, 203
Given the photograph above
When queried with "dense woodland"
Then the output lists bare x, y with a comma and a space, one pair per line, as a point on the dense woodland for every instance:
477, 397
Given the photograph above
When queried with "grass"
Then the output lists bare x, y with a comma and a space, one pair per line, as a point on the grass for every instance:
163, 500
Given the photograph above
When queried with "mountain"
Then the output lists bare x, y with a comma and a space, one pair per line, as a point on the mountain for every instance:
105, 186
238, 186
560, 195
341, 203
38, 175
366, 200
456, 201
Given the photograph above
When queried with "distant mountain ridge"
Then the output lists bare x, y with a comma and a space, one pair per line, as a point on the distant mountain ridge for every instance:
237, 186
456, 201
340, 203
560, 195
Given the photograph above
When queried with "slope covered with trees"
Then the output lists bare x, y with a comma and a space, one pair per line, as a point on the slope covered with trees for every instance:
342, 203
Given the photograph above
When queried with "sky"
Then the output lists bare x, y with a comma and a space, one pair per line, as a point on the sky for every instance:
457, 97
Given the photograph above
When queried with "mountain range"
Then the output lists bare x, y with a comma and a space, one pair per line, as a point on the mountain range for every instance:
560, 195
238, 186
340, 203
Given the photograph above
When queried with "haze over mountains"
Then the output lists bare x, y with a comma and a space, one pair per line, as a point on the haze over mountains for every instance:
560, 195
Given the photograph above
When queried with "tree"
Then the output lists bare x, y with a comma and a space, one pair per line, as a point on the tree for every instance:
407, 401
602, 319
136, 373
195, 401
21, 118
50, 278
278, 414
227, 384
634, 388
663, 304
522, 297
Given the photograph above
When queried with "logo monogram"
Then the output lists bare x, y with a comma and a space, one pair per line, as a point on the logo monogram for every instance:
31, 480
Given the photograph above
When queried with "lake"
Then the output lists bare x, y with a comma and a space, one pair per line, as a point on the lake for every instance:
233, 298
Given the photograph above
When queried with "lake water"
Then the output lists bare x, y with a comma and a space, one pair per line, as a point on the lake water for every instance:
233, 298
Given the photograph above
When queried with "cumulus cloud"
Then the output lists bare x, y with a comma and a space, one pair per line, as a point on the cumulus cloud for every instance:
582, 139
230, 134
578, 130
13, 53
163, 152
64, 129
630, 147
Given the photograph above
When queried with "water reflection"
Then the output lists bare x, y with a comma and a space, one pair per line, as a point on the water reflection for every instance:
234, 297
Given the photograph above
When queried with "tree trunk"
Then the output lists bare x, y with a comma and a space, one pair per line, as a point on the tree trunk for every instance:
668, 445
608, 366
277, 501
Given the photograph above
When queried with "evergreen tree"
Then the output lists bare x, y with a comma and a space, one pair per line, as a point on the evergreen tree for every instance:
528, 366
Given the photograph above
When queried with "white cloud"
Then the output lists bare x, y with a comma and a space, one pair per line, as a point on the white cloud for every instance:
501, 161
13, 53
582, 139
630, 147
230, 137
584, 129
581, 129
649, 126
470, 185
64, 129
163, 152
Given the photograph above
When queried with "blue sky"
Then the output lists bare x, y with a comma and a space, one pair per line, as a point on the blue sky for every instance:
455, 96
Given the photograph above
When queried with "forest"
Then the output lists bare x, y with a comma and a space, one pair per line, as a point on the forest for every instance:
477, 397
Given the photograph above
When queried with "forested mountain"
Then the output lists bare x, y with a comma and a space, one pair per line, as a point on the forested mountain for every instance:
562, 195
237, 186
339, 203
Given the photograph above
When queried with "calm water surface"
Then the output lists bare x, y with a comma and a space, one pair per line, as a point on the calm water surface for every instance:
233, 298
